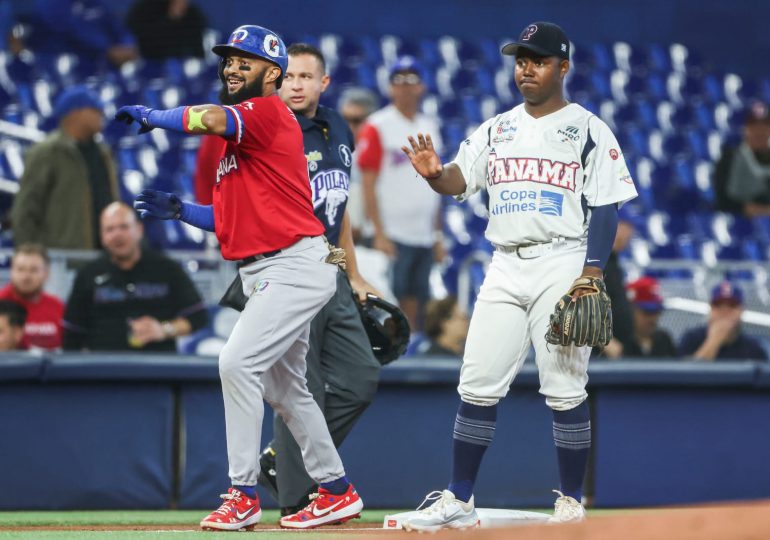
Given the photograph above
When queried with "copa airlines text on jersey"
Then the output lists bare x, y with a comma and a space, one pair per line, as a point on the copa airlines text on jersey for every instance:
544, 171
226, 164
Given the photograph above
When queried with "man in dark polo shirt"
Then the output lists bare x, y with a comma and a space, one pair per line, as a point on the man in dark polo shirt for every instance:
130, 298
722, 338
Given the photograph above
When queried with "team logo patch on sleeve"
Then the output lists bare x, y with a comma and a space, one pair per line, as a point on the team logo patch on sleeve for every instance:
346, 155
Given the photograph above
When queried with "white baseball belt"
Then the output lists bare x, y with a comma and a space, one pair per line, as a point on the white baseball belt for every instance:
532, 251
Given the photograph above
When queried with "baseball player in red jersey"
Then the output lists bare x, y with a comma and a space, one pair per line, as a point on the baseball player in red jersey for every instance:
263, 217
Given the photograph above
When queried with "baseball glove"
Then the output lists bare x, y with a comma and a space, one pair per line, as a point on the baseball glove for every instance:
586, 320
386, 327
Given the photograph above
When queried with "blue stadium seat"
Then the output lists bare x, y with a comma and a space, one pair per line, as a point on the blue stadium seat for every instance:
471, 109
659, 58
490, 53
656, 87
697, 142
603, 59
581, 60
465, 80
469, 53
637, 87
600, 86
368, 78
429, 54
713, 91
753, 250
687, 247
635, 140
452, 132
450, 109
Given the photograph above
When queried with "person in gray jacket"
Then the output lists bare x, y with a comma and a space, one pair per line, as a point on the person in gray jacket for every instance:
69, 178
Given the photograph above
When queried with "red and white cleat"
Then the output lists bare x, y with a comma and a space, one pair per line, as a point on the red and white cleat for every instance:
237, 512
324, 509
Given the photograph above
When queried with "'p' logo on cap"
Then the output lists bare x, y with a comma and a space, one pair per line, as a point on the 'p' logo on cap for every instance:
528, 32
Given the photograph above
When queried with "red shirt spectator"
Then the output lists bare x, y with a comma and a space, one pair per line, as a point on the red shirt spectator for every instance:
29, 272
209, 153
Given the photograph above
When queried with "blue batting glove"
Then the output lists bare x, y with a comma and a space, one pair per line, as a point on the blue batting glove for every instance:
151, 203
135, 113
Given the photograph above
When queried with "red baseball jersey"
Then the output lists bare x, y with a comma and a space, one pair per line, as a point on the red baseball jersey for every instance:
43, 327
262, 198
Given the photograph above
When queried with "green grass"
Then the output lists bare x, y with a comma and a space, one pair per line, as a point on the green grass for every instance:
184, 518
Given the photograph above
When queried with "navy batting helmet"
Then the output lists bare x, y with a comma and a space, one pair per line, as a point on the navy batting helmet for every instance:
258, 41
386, 327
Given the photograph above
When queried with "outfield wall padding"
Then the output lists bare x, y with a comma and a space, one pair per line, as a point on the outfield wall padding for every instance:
147, 431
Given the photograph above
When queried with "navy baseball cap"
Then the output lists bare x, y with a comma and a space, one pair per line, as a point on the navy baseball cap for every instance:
543, 38
726, 292
74, 98
405, 64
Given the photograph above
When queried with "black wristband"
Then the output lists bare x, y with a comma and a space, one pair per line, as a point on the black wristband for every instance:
430, 178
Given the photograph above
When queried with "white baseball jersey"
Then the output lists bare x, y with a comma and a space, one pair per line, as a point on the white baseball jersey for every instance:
407, 205
542, 173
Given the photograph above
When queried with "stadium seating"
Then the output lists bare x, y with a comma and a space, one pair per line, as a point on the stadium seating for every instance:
670, 112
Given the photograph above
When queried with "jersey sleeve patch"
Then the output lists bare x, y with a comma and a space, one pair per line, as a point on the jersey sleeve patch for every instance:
238, 122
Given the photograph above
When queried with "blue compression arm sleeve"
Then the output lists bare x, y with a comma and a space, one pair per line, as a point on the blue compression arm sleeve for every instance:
601, 234
177, 119
198, 215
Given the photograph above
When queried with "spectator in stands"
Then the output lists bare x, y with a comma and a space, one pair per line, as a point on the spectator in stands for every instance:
722, 338
446, 326
12, 317
68, 178
648, 340
86, 28
742, 175
167, 28
130, 298
356, 105
405, 214
30, 267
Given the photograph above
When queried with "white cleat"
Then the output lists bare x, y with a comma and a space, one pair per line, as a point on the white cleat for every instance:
567, 510
446, 512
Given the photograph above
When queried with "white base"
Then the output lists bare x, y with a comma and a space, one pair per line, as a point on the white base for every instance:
489, 517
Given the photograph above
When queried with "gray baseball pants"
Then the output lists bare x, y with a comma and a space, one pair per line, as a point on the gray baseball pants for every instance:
342, 374
264, 358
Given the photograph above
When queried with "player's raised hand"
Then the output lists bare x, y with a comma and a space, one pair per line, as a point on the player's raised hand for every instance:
423, 156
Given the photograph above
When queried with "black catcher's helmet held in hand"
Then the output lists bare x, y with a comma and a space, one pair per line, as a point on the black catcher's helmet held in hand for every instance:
387, 328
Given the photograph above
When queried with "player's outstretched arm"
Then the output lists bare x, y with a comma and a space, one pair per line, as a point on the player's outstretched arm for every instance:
151, 203
197, 119
447, 180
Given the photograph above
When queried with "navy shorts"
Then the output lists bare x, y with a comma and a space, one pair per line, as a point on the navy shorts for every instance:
411, 272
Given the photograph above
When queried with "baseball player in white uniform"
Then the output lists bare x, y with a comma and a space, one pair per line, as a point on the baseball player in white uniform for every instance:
556, 177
